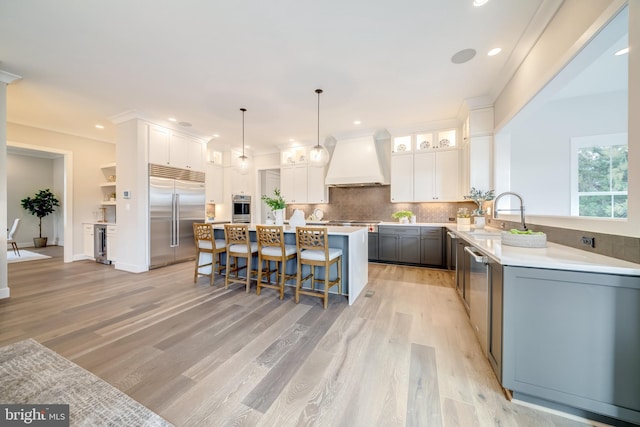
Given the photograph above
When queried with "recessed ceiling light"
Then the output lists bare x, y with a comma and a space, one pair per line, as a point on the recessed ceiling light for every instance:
171, 119
357, 122
478, 3
622, 51
494, 51
292, 140
463, 56
215, 135
99, 127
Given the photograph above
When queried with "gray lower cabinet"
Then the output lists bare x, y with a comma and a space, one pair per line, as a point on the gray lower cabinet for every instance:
573, 338
373, 246
399, 244
388, 245
431, 246
409, 244
409, 248
494, 345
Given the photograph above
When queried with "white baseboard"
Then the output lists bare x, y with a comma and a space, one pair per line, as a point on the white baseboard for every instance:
82, 257
4, 293
131, 268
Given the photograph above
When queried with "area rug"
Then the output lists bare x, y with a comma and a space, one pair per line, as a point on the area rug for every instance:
30, 373
24, 256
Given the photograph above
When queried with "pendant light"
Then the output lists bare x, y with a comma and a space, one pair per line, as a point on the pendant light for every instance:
318, 156
243, 164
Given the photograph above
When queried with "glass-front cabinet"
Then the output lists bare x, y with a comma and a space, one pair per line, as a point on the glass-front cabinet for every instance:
301, 182
425, 166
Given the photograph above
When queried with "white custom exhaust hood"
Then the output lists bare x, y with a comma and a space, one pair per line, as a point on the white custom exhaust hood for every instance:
359, 161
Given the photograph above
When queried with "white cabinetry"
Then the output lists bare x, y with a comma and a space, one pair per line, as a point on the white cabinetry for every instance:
159, 145
478, 149
240, 184
214, 183
293, 180
112, 243
317, 191
435, 176
300, 182
170, 148
425, 167
87, 239
402, 178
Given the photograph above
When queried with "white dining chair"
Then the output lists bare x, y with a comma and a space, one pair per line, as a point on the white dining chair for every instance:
10, 238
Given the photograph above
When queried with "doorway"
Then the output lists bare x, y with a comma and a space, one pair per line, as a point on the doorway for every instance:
269, 181
60, 184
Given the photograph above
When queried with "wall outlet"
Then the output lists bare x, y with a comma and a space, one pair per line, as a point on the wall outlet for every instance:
589, 241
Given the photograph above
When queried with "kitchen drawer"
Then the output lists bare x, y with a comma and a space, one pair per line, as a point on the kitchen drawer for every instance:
399, 230
435, 232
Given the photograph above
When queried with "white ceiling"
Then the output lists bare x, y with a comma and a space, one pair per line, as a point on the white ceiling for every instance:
384, 63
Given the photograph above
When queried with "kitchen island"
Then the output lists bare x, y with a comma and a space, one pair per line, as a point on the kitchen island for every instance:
354, 244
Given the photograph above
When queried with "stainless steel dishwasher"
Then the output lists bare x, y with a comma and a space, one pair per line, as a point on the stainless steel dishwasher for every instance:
477, 269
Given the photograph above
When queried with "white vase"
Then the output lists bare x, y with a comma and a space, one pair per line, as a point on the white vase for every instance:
479, 221
279, 216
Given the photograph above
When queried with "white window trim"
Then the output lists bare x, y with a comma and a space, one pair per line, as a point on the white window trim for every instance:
579, 142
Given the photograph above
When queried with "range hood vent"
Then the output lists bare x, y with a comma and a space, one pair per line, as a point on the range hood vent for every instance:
360, 161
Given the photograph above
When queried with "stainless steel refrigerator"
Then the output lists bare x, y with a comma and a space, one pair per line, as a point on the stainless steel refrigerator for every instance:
176, 201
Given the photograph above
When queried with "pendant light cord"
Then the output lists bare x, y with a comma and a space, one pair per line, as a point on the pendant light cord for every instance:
318, 91
243, 110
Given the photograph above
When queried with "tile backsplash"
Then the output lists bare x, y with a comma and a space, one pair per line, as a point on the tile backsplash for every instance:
373, 203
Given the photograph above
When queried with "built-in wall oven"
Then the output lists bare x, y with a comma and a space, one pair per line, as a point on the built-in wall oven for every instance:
241, 208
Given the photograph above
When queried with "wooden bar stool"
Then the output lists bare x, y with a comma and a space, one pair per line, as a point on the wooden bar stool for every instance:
239, 245
313, 250
207, 244
271, 248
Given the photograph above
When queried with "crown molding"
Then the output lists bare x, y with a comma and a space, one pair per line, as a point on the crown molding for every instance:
8, 78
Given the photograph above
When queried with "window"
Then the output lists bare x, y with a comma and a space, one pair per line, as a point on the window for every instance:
599, 176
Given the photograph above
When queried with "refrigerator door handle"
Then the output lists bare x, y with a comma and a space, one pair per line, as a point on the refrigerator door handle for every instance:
172, 243
176, 220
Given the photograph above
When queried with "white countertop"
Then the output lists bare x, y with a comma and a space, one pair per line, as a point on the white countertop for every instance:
554, 256
99, 223
332, 231
419, 224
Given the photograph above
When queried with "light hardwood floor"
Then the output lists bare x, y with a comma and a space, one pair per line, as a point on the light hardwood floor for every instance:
404, 354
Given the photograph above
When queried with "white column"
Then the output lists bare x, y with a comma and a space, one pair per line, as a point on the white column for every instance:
5, 79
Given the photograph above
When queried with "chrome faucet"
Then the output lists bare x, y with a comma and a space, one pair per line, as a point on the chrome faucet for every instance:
496, 210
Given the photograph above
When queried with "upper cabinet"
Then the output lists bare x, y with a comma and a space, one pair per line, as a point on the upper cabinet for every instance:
425, 167
425, 141
478, 149
170, 148
300, 182
435, 177
214, 183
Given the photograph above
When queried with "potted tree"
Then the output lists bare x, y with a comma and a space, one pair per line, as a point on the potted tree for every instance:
276, 204
41, 205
